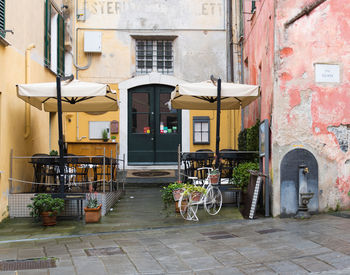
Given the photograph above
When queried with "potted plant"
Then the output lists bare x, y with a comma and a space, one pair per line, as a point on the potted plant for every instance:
93, 208
214, 176
195, 191
105, 135
171, 193
53, 153
241, 174
113, 138
47, 207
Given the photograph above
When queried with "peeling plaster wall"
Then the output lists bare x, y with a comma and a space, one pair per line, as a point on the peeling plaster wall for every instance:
309, 114
259, 52
305, 113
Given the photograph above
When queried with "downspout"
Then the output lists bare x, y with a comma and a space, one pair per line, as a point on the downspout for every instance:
230, 73
241, 41
230, 70
27, 106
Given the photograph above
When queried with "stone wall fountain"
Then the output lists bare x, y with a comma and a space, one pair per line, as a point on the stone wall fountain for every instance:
304, 195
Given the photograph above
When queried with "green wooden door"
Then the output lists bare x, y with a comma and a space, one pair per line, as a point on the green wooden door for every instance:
154, 131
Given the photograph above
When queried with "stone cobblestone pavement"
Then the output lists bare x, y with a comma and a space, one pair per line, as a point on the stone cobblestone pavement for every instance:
263, 246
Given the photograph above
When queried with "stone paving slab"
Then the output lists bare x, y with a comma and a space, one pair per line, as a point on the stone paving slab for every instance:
186, 250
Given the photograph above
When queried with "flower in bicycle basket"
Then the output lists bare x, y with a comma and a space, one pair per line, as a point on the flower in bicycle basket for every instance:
190, 188
214, 172
92, 199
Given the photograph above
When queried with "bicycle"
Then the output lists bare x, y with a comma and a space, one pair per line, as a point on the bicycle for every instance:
211, 198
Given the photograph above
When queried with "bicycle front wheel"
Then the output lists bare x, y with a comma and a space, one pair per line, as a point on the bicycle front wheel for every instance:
188, 208
213, 201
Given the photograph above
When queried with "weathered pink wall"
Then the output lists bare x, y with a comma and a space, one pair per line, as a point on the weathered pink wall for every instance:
306, 114
310, 112
259, 48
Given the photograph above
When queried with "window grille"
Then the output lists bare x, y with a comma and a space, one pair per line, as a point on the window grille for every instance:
2, 18
154, 55
201, 130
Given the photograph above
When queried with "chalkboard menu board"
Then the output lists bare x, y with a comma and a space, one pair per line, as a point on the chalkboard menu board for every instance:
252, 196
255, 197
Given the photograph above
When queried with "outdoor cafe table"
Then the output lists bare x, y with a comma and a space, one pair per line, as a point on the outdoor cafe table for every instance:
46, 170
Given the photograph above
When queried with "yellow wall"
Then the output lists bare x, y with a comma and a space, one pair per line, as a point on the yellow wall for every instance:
70, 122
230, 124
26, 19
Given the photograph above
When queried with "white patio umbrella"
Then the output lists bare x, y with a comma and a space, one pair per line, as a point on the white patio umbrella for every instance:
77, 96
203, 96
68, 96
213, 95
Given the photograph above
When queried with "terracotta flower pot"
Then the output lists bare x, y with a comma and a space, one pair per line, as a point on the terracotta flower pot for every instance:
177, 194
196, 196
48, 218
183, 205
92, 214
214, 179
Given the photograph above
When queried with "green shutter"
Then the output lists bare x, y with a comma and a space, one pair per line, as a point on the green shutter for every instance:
253, 6
2, 18
60, 45
47, 46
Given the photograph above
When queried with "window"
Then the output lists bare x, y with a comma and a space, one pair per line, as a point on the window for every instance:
201, 130
96, 128
154, 55
54, 38
2, 18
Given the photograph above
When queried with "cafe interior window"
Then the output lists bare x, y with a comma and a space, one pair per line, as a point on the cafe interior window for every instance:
201, 130
97, 127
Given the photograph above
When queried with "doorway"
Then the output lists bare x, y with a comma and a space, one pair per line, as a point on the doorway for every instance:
154, 131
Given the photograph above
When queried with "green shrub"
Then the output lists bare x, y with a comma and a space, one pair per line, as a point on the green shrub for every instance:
242, 140
241, 174
45, 203
253, 137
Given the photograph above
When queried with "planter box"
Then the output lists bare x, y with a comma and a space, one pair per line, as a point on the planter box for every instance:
48, 218
214, 179
92, 214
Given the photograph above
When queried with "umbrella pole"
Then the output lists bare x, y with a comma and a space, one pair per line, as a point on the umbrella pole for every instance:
218, 111
60, 135
60, 132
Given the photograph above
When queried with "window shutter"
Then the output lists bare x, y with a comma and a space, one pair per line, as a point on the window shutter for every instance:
60, 45
2, 18
47, 46
253, 6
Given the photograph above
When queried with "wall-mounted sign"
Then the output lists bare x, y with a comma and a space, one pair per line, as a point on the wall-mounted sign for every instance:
329, 73
264, 138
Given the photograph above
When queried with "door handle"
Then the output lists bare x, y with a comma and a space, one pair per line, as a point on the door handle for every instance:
152, 138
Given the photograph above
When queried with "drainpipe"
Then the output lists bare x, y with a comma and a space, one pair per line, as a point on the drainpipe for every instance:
230, 69
27, 106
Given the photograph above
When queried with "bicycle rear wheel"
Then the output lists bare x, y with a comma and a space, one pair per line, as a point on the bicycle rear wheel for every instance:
213, 201
188, 208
